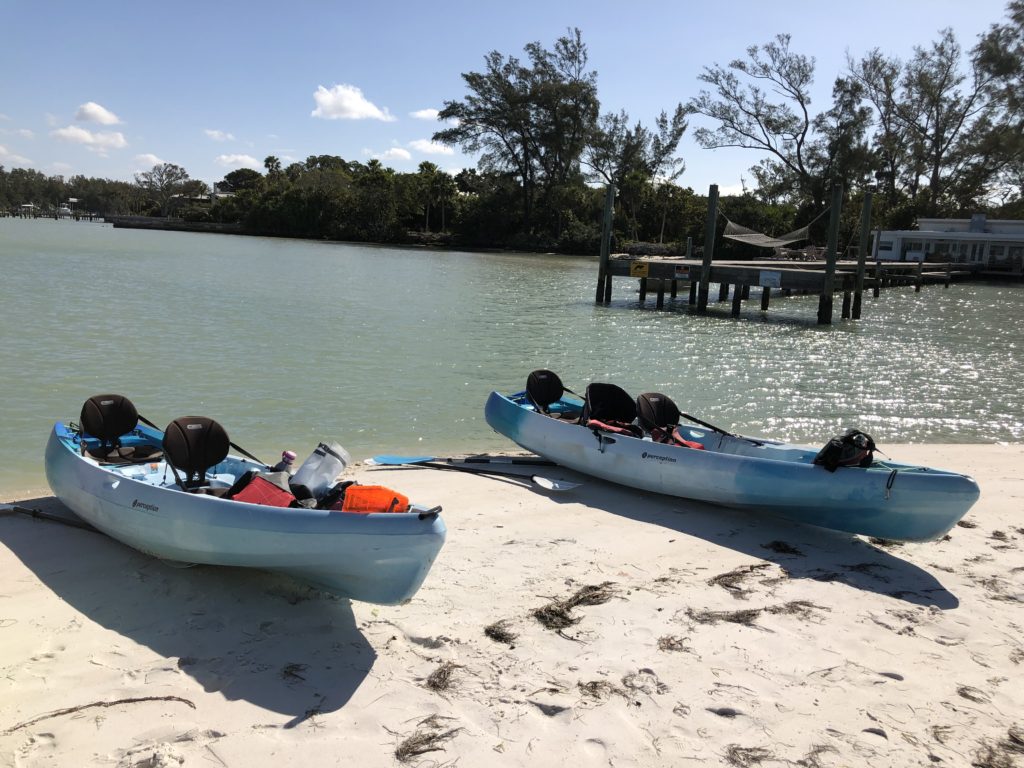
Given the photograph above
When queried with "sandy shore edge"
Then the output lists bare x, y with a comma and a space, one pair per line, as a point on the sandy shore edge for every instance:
676, 633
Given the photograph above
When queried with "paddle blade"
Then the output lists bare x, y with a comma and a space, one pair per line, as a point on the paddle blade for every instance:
391, 460
549, 484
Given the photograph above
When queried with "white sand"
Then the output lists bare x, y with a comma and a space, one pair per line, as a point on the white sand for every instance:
853, 654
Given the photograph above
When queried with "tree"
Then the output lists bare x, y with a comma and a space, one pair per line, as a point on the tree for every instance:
241, 179
162, 183
747, 116
531, 120
635, 159
1000, 55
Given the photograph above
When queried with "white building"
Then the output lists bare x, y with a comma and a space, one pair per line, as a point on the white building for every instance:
990, 245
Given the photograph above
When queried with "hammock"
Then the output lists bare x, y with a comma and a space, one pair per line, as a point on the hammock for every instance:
749, 236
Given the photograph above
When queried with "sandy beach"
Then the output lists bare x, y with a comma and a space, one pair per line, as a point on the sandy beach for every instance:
599, 626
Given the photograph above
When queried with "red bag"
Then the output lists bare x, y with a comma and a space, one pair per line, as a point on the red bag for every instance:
262, 491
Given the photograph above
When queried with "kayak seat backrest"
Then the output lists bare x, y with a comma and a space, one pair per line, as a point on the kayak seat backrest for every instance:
610, 408
544, 388
659, 417
108, 418
655, 411
193, 444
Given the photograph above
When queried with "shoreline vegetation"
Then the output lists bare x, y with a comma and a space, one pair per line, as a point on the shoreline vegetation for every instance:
547, 153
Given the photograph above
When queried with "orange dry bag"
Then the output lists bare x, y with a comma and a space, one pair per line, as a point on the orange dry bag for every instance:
365, 499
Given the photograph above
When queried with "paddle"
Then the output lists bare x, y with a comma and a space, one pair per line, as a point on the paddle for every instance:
40, 515
527, 460
546, 483
238, 448
719, 430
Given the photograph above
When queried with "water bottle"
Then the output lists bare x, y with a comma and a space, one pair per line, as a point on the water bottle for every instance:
286, 464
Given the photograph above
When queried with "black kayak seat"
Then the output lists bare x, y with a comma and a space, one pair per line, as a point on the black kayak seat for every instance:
108, 418
193, 444
544, 388
608, 403
657, 411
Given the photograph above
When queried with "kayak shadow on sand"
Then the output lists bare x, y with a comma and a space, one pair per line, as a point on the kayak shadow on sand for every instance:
248, 635
803, 551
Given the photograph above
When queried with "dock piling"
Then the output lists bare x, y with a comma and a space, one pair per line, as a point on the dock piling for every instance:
709, 249
827, 286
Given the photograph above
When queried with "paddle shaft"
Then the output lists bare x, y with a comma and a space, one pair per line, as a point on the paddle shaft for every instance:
522, 461
543, 482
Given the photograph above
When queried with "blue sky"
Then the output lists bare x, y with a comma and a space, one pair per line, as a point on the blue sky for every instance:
111, 88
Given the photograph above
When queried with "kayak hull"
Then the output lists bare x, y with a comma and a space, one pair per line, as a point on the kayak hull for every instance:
890, 501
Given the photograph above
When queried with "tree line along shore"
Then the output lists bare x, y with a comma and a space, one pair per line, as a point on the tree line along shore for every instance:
940, 134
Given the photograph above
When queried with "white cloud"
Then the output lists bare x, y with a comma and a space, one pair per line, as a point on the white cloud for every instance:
219, 135
239, 161
4, 117
148, 160
395, 153
91, 112
428, 147
61, 167
346, 102
425, 114
99, 141
10, 157
25, 133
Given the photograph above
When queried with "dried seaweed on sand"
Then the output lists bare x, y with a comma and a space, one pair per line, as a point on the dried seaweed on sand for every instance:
429, 739
441, 678
499, 632
556, 614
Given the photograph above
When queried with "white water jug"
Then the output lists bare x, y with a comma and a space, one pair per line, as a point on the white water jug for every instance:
322, 468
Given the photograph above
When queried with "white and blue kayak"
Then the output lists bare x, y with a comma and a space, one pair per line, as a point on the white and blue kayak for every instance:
140, 500
887, 500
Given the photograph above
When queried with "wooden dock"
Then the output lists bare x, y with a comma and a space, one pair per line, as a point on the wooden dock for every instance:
826, 278
661, 276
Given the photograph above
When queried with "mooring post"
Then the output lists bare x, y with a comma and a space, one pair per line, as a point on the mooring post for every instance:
919, 277
846, 305
643, 290
949, 273
661, 293
878, 280
766, 296
737, 297
723, 291
709, 248
825, 300
604, 279
862, 253
693, 291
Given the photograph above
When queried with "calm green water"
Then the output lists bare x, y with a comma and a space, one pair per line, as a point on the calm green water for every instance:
394, 350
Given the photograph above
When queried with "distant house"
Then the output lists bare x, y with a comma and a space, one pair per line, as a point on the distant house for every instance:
996, 245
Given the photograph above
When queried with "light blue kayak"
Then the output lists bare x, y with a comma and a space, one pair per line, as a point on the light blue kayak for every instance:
376, 558
887, 500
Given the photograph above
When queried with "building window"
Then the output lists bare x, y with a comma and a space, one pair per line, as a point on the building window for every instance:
997, 251
885, 245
